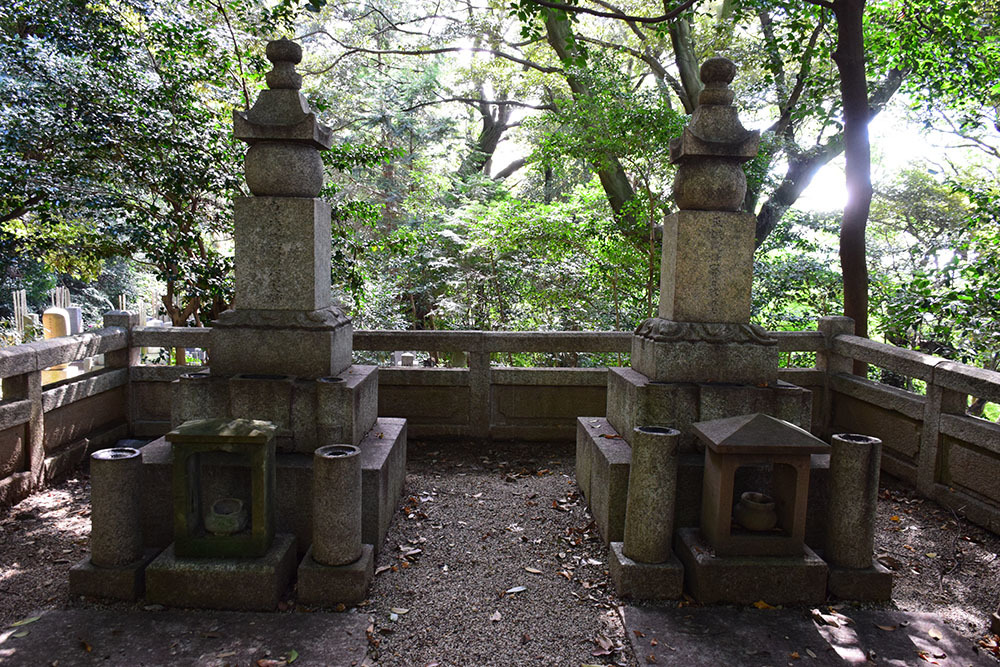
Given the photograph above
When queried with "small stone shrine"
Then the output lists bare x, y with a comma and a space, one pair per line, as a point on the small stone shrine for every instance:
642, 468
278, 459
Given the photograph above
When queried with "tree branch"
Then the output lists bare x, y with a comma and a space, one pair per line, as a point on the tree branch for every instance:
573, 9
425, 52
475, 101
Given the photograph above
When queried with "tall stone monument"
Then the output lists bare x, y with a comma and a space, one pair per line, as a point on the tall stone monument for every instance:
283, 321
233, 497
700, 358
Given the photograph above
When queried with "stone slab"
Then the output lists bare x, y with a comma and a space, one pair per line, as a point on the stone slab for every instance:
241, 584
127, 582
383, 471
776, 580
189, 637
325, 586
609, 485
634, 400
872, 584
724, 635
645, 581
587, 430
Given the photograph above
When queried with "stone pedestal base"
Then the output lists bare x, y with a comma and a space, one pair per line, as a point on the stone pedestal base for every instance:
308, 344
240, 584
668, 351
324, 585
309, 413
383, 470
872, 584
127, 582
635, 400
995, 623
747, 579
645, 581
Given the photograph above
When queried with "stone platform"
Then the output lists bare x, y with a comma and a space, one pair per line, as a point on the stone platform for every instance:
602, 469
174, 637
645, 581
383, 470
726, 635
747, 579
242, 584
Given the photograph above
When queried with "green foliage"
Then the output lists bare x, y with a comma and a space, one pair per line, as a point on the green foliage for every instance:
795, 279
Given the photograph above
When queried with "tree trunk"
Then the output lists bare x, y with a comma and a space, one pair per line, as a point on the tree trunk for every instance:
850, 59
612, 175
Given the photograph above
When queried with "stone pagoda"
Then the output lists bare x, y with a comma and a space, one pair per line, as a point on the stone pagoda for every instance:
700, 358
278, 459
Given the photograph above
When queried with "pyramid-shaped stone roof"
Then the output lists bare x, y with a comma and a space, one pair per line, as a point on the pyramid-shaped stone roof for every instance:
757, 434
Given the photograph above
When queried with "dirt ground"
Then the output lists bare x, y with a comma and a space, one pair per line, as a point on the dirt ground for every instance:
492, 559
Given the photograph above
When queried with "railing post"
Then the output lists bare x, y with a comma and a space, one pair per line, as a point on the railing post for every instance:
28, 386
831, 363
479, 392
937, 402
124, 358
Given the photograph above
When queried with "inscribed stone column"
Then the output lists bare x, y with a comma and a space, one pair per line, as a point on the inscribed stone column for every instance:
702, 332
283, 320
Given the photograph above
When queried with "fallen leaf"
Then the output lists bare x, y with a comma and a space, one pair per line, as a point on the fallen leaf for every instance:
267, 662
760, 604
496, 617
794, 655
638, 633
24, 621
21, 633
894, 517
532, 570
293, 655
934, 634
810, 653
651, 658
931, 555
87, 647
515, 589
399, 610
887, 628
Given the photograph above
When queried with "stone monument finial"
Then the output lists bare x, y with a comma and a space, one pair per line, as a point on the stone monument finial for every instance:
713, 146
284, 54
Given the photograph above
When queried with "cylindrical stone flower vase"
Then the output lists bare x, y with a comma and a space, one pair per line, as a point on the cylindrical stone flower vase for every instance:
115, 483
850, 526
652, 488
336, 505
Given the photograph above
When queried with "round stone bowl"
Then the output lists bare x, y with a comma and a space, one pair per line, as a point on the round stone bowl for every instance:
226, 517
115, 454
755, 512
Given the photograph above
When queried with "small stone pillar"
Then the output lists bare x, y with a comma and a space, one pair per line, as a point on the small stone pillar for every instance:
338, 568
336, 505
850, 527
117, 563
115, 481
652, 488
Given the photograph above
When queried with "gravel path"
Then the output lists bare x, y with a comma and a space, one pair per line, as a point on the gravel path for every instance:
493, 560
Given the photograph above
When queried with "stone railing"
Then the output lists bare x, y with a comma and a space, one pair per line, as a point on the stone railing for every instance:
929, 439
46, 427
